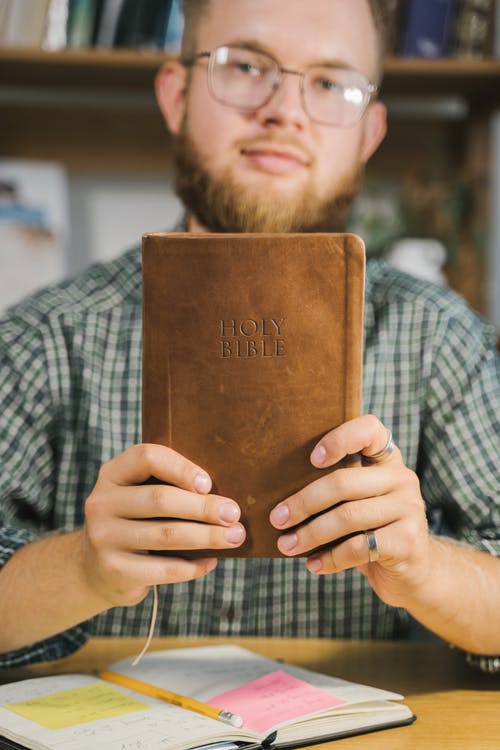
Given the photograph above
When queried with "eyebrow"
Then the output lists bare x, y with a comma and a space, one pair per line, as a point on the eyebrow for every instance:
255, 46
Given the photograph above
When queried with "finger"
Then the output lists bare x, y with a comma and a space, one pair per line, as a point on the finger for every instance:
170, 535
366, 435
337, 487
140, 462
160, 501
353, 552
139, 571
343, 520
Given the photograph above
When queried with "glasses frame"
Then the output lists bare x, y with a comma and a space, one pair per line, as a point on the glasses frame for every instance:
369, 91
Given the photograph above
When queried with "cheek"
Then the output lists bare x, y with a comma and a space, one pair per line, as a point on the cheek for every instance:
211, 130
339, 152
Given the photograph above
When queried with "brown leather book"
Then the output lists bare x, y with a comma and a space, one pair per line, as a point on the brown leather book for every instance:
252, 350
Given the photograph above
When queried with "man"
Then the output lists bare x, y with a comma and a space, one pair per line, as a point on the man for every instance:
275, 115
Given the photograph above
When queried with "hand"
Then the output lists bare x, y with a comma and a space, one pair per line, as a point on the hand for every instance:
383, 497
125, 519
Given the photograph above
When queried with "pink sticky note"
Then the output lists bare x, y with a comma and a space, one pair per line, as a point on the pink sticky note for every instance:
274, 698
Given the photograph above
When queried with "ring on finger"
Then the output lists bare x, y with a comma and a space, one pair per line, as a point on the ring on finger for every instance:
377, 458
373, 548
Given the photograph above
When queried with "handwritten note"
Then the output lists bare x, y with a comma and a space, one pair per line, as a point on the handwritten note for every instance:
274, 698
78, 706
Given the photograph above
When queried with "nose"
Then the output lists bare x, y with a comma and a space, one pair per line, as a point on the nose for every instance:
285, 107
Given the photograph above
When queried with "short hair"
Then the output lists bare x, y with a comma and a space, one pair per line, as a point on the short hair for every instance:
383, 12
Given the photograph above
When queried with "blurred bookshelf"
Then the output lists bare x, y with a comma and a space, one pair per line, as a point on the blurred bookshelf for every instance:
92, 108
133, 70
95, 108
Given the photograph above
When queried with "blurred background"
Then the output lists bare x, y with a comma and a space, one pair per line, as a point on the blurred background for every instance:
85, 159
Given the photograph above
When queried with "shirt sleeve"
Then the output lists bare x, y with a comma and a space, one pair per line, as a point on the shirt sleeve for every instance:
459, 466
27, 474
458, 463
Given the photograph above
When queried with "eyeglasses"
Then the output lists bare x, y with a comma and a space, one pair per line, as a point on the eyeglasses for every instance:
247, 79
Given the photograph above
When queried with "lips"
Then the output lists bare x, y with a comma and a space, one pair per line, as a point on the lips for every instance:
275, 158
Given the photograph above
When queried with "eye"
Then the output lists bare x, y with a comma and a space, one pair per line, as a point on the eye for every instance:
247, 69
327, 84
323, 81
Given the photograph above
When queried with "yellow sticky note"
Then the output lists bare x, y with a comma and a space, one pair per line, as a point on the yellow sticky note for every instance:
77, 706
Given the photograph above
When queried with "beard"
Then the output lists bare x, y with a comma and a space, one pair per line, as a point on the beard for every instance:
221, 204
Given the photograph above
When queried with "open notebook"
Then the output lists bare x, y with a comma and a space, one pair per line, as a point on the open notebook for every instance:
281, 705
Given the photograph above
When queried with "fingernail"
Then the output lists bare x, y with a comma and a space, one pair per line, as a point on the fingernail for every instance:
228, 512
202, 483
318, 456
280, 515
314, 564
234, 534
210, 565
288, 541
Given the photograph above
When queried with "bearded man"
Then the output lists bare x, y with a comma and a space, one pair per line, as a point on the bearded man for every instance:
274, 109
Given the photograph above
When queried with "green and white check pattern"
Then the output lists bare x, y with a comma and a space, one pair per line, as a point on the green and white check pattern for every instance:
70, 386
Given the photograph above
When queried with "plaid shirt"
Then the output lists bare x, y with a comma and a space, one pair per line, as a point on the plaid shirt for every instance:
70, 388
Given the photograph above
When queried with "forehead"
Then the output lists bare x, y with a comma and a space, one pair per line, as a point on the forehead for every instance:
297, 32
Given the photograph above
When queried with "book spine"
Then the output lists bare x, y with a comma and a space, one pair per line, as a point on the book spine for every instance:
22, 23
4, 16
143, 26
354, 286
108, 23
57, 25
81, 18
427, 28
395, 28
496, 30
175, 27
474, 28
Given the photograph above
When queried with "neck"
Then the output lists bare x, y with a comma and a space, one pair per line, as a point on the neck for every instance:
193, 225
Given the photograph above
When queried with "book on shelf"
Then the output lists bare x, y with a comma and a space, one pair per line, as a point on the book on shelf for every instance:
474, 29
175, 27
427, 28
252, 351
81, 23
60, 24
23, 22
107, 22
278, 705
34, 226
142, 25
394, 27
56, 30
157, 24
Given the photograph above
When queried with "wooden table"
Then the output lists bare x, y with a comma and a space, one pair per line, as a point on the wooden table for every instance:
457, 707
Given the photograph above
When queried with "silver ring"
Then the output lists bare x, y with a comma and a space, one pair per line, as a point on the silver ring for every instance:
373, 550
377, 458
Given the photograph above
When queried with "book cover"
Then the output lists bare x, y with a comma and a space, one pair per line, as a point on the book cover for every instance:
252, 351
427, 28
280, 705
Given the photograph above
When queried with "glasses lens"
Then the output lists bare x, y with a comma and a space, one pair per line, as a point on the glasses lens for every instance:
335, 96
240, 77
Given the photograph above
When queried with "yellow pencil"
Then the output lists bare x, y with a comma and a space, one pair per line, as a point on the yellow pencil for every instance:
166, 695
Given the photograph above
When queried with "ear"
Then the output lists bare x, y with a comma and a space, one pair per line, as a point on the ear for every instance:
375, 129
170, 89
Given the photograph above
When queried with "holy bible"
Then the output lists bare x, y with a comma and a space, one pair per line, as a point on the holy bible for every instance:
252, 351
